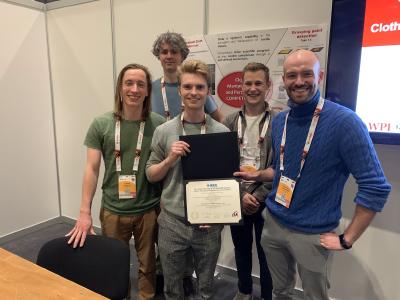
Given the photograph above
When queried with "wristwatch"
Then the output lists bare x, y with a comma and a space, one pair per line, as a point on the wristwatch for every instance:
343, 243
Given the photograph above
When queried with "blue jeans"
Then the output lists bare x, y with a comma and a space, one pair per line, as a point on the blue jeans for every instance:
242, 237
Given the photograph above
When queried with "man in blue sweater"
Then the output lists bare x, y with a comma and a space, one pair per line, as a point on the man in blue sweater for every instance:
317, 144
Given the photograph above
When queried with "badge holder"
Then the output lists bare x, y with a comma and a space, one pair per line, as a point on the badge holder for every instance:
285, 191
127, 186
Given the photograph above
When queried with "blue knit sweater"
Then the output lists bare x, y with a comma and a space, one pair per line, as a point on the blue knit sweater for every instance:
341, 145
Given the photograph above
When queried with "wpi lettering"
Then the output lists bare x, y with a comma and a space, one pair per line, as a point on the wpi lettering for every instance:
379, 126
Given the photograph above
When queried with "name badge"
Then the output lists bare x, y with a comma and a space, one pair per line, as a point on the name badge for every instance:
250, 158
285, 191
248, 168
127, 186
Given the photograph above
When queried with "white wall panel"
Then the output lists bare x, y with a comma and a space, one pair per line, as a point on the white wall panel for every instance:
28, 177
232, 16
81, 65
371, 269
138, 23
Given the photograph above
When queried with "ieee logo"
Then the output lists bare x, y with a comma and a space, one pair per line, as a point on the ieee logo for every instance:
211, 185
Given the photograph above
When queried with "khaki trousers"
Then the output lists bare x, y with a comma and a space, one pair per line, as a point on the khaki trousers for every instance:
144, 229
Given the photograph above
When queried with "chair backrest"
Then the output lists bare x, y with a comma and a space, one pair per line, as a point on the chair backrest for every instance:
101, 265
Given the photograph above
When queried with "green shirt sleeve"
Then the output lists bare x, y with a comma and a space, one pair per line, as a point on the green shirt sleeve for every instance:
93, 137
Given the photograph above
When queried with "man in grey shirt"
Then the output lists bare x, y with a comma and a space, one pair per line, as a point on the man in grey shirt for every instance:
177, 239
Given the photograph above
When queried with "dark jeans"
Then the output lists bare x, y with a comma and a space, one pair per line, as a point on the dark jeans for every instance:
242, 237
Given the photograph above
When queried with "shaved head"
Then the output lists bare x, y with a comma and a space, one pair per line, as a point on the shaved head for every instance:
301, 75
302, 55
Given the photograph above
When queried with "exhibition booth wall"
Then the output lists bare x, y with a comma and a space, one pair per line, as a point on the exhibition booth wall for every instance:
57, 72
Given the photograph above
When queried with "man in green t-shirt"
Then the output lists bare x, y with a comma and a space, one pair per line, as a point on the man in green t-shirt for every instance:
130, 203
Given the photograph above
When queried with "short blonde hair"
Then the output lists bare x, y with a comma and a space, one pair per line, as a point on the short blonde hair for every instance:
194, 66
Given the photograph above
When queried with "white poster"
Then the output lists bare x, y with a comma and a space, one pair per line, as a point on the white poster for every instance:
227, 54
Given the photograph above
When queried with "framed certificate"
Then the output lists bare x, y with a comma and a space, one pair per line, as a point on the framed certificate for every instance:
215, 201
212, 195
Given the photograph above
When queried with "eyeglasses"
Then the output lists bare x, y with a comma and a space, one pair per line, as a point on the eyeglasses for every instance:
198, 87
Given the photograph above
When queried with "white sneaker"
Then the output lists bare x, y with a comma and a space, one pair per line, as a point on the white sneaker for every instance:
240, 296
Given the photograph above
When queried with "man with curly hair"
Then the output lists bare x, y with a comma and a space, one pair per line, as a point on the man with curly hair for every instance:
171, 50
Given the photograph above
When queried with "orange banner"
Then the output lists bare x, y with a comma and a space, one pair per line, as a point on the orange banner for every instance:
382, 23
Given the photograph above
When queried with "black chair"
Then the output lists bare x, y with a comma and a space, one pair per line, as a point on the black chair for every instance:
101, 265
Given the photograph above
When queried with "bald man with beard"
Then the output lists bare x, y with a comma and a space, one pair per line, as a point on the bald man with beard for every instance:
316, 144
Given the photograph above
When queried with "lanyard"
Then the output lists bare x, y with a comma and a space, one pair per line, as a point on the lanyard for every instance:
309, 138
167, 113
203, 125
263, 130
118, 146
164, 98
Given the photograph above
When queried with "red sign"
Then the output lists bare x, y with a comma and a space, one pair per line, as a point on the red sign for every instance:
230, 89
381, 23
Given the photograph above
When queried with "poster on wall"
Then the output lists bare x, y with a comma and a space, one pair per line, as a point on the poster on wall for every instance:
227, 53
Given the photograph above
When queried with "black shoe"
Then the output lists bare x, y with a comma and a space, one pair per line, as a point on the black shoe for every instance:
159, 284
188, 287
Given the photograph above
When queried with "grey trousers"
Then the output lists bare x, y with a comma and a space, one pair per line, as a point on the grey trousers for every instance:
177, 239
286, 250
